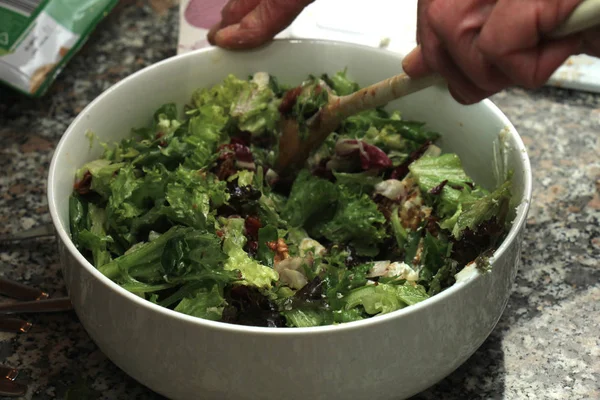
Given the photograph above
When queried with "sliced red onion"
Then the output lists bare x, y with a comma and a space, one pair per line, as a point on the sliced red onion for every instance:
371, 157
242, 153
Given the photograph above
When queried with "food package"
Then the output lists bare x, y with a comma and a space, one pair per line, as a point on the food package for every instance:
38, 37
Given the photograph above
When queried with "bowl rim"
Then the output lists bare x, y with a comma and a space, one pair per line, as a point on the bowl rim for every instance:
517, 224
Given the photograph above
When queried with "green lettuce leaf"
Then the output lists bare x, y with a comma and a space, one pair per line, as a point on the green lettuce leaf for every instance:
221, 95
309, 196
357, 221
253, 273
435, 252
256, 109
143, 261
207, 130
474, 211
95, 238
443, 278
390, 130
121, 205
340, 83
362, 182
103, 173
193, 197
430, 172
385, 298
204, 303
193, 256
264, 254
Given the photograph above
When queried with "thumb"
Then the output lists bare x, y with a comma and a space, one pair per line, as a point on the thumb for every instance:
414, 64
232, 13
260, 25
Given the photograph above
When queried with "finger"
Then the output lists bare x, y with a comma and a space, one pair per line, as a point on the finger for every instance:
232, 13
414, 64
472, 98
422, 7
513, 34
531, 68
457, 26
421, 62
261, 24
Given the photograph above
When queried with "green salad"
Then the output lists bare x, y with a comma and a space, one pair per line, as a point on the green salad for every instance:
189, 213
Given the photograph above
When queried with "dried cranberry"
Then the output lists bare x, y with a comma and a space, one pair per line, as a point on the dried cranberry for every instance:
252, 225
438, 189
84, 185
401, 171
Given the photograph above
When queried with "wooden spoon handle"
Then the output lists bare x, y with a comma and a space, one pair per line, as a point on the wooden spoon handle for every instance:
585, 16
379, 94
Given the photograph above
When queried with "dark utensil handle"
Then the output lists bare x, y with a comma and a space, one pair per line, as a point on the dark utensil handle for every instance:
8, 373
19, 291
14, 325
11, 389
38, 306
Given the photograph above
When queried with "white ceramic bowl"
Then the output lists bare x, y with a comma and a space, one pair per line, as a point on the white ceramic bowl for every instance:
388, 357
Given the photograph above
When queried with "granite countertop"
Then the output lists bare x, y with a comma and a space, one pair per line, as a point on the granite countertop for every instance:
546, 344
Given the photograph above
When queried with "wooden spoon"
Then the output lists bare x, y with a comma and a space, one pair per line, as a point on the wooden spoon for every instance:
293, 151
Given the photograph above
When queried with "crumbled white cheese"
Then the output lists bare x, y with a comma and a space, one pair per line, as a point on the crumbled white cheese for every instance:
261, 79
467, 273
390, 269
379, 268
308, 245
393, 189
402, 271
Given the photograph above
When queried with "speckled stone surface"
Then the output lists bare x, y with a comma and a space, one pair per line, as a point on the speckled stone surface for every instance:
546, 345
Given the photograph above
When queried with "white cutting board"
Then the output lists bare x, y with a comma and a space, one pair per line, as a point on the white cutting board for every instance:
389, 24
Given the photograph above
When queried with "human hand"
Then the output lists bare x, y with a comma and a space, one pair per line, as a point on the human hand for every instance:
250, 23
591, 42
483, 46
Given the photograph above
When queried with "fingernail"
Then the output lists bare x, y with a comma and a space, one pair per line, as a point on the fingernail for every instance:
230, 36
212, 32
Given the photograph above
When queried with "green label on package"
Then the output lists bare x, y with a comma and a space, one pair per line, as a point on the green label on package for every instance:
37, 38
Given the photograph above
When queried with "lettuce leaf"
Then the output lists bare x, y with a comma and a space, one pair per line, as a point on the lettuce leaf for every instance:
309, 196
221, 95
340, 83
385, 298
253, 273
357, 221
446, 171
207, 303
474, 211
256, 109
